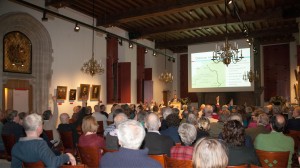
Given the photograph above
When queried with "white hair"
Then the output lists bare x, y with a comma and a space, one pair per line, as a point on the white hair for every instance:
166, 111
187, 133
131, 134
152, 122
32, 122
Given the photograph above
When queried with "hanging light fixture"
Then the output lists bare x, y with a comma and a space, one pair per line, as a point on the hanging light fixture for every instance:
227, 53
166, 76
92, 67
251, 76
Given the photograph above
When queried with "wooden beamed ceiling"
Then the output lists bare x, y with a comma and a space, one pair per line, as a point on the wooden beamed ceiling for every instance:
175, 24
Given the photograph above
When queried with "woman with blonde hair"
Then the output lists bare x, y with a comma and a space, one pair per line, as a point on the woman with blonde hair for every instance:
210, 153
89, 137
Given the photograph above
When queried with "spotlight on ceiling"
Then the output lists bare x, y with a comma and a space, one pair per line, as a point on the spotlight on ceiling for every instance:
130, 45
76, 28
44, 18
229, 2
146, 50
154, 53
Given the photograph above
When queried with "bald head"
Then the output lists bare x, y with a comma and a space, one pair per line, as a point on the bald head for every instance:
278, 123
152, 122
64, 118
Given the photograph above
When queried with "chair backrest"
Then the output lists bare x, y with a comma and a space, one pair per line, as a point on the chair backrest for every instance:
100, 130
175, 163
296, 136
38, 164
273, 159
49, 134
160, 159
238, 166
89, 155
9, 141
67, 141
75, 166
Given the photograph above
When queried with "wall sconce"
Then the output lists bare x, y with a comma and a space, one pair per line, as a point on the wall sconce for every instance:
76, 28
44, 18
130, 45
146, 50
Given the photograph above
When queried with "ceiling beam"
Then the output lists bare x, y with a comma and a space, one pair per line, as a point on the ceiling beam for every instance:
211, 22
231, 36
156, 10
57, 3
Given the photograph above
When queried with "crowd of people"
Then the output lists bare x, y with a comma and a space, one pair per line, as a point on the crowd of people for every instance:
211, 136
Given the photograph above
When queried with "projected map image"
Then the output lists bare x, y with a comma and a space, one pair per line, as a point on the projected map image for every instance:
207, 74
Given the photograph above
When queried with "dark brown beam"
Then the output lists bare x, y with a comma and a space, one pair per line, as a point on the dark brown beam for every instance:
211, 22
152, 11
57, 3
232, 36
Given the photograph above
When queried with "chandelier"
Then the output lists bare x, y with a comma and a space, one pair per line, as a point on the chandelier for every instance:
166, 77
251, 76
227, 53
92, 67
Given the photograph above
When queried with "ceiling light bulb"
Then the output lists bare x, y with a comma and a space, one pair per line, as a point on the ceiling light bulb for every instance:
76, 28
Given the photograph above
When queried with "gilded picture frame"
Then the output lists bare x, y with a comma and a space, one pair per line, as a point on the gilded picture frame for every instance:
17, 53
61, 92
95, 92
72, 94
84, 91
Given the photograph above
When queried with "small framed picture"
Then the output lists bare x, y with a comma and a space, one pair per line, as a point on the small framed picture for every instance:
72, 94
95, 92
61, 92
84, 91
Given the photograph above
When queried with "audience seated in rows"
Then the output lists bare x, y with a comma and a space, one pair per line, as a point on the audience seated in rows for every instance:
261, 128
210, 153
65, 126
12, 126
33, 149
99, 116
156, 143
50, 121
216, 127
188, 135
202, 127
131, 134
112, 141
173, 122
294, 123
276, 140
89, 136
238, 154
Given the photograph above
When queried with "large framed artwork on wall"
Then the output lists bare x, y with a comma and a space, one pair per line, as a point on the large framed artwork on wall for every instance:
61, 92
95, 92
17, 53
84, 91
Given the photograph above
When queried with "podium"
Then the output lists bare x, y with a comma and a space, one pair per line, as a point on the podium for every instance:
176, 105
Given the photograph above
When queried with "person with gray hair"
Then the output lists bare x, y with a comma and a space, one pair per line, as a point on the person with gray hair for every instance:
111, 140
216, 128
208, 111
187, 133
131, 134
262, 123
154, 141
12, 126
32, 148
165, 112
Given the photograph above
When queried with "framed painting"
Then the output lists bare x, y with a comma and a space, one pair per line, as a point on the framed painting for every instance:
84, 91
61, 92
72, 94
95, 92
17, 53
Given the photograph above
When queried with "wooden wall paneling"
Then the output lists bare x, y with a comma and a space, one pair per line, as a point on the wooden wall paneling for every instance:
148, 91
111, 74
124, 82
184, 79
148, 73
276, 71
140, 68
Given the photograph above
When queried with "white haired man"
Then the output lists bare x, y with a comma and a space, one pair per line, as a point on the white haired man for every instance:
33, 149
131, 134
154, 141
